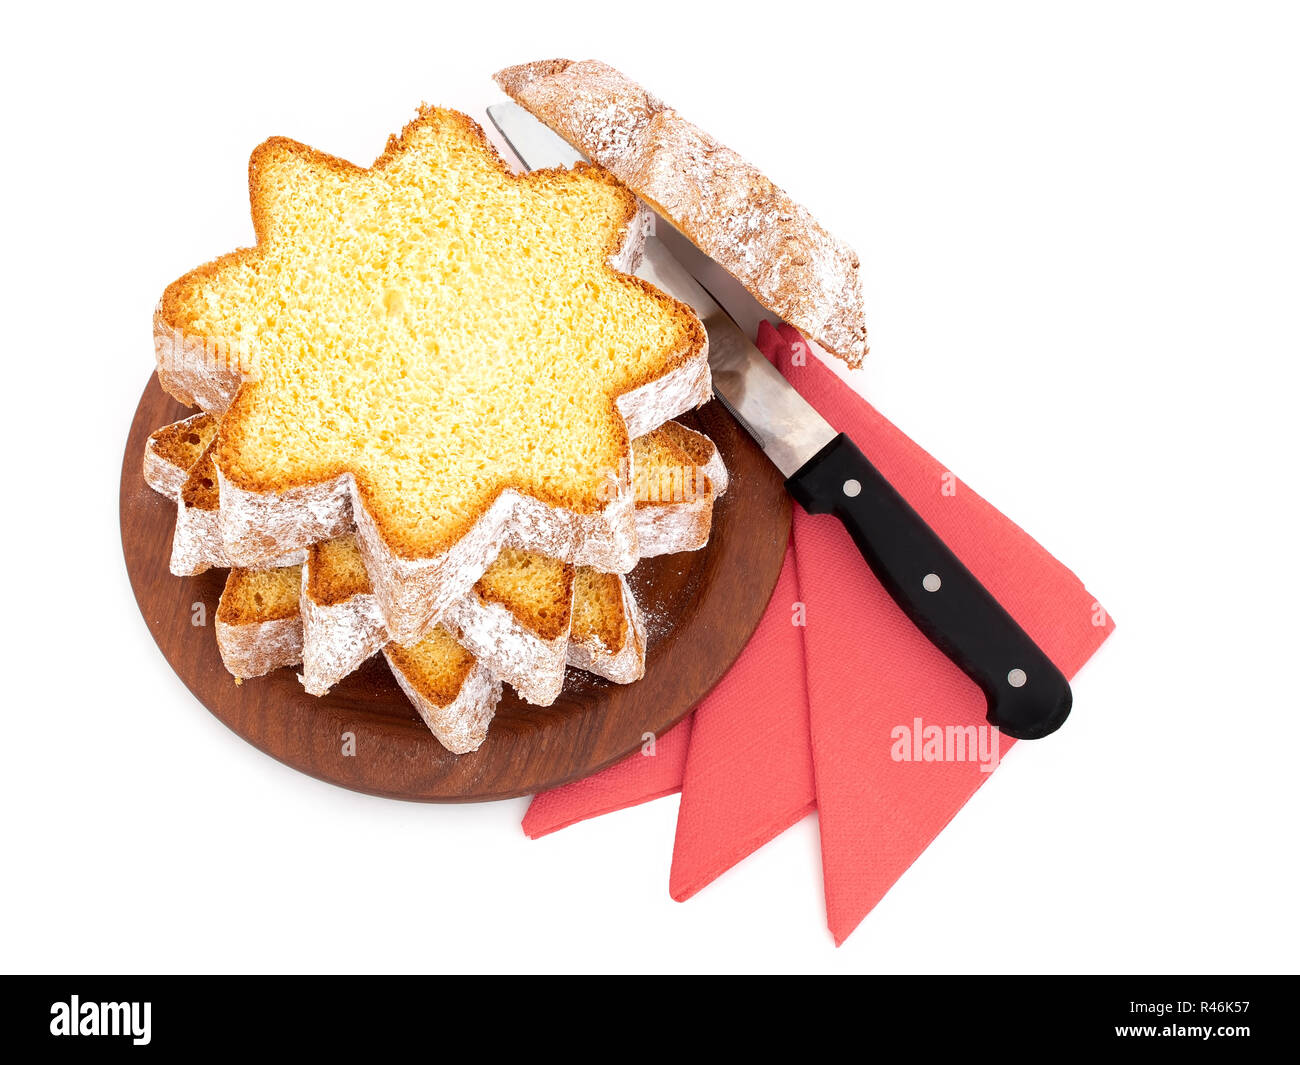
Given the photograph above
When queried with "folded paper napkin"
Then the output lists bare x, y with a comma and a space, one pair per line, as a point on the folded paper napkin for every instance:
838, 703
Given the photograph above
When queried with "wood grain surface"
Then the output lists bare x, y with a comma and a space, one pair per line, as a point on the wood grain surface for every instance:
700, 607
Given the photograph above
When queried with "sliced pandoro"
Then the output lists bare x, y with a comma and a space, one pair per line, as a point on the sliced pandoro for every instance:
517, 614
392, 326
341, 625
702, 453
530, 613
516, 619
519, 621
259, 629
196, 540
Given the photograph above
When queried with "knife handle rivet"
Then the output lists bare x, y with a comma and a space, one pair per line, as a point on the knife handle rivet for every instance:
931, 582
852, 487
1017, 678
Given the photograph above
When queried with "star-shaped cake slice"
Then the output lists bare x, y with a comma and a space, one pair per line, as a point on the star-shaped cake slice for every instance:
433, 352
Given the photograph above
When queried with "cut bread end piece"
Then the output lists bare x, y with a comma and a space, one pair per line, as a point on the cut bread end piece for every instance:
772, 245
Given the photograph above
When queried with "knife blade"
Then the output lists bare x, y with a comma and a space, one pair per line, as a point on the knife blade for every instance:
826, 473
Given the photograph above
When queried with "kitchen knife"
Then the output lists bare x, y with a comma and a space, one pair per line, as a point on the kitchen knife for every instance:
826, 473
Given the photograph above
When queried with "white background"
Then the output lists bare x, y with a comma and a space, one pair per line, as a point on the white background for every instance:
1078, 225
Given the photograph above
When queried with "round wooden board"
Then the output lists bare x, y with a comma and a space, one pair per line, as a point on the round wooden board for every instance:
700, 608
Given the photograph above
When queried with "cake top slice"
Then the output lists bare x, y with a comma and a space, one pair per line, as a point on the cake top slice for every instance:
434, 325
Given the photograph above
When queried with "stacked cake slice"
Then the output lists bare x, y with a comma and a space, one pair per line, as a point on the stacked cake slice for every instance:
436, 421
524, 621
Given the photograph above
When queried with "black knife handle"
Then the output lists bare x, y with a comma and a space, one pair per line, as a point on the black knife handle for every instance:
1028, 697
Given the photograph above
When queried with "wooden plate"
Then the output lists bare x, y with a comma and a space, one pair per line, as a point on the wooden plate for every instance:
700, 607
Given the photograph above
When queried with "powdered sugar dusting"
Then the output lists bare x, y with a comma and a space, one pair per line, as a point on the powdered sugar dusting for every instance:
256, 649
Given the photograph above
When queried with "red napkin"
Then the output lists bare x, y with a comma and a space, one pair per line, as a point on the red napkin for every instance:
749, 770
650, 773
886, 737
